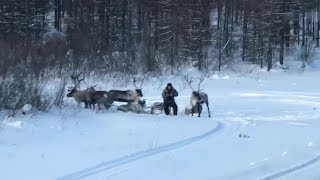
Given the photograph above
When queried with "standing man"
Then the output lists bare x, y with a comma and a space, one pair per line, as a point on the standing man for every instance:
168, 95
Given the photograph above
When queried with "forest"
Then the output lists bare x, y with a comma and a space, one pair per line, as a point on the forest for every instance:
51, 38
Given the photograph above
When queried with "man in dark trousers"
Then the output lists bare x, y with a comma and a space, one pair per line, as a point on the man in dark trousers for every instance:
168, 95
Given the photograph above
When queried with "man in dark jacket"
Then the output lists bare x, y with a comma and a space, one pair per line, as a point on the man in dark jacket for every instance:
168, 95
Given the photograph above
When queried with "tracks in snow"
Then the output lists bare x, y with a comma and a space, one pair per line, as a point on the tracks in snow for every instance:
293, 169
138, 155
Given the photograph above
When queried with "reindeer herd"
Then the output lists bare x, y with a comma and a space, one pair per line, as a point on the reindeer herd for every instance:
90, 97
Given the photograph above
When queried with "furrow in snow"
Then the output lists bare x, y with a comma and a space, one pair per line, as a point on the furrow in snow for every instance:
138, 155
293, 169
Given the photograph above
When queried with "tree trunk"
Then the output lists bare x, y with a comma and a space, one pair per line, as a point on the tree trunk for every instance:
270, 43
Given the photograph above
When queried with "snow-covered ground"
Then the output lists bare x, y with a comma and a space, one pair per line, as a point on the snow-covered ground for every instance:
264, 125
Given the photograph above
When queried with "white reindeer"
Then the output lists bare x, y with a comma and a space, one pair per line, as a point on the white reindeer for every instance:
129, 96
197, 99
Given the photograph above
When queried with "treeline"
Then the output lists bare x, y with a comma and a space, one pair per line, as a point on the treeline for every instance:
141, 35
132, 36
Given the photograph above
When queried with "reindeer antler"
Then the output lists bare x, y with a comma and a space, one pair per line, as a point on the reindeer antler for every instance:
76, 77
76, 80
134, 82
189, 81
70, 88
141, 83
201, 79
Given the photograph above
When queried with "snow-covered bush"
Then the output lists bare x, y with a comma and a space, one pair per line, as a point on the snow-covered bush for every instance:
20, 88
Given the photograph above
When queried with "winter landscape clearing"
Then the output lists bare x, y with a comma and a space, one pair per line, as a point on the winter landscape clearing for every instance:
260, 65
261, 128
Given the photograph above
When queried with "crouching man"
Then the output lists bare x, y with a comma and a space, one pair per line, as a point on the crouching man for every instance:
168, 95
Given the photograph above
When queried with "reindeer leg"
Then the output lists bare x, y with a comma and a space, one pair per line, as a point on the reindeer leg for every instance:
199, 109
106, 105
207, 103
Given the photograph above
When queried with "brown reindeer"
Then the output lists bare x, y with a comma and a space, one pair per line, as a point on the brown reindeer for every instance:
197, 99
78, 95
96, 97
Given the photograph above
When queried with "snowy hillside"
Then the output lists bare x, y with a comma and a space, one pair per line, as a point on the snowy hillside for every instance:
263, 126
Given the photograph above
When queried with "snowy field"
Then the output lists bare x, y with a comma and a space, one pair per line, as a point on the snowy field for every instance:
277, 115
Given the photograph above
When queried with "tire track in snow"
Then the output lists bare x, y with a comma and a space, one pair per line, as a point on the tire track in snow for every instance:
293, 169
138, 155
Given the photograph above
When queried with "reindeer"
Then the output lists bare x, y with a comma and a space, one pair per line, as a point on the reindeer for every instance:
133, 107
129, 96
157, 106
96, 97
78, 95
197, 99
